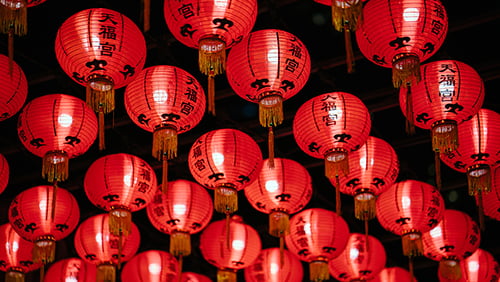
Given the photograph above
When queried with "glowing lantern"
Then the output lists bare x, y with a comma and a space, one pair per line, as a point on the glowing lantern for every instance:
275, 265
71, 269
212, 27
102, 50
14, 89
4, 173
151, 266
480, 266
194, 277
394, 274
317, 236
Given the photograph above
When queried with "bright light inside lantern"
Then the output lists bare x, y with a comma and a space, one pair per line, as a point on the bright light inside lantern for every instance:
160, 96
65, 120
221, 3
154, 268
406, 201
272, 186
411, 14
274, 268
473, 265
127, 179
98, 238
353, 253
446, 88
238, 245
436, 232
71, 279
307, 228
42, 205
272, 56
218, 158
12, 247
179, 209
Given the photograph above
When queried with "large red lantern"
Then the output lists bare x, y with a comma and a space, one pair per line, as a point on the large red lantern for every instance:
362, 259
194, 277
394, 274
120, 184
102, 50
94, 243
480, 266
36, 220
226, 160
402, 34
454, 239
167, 101
275, 265
230, 246
4, 173
57, 127
491, 204
151, 266
317, 236
71, 269
212, 27
14, 89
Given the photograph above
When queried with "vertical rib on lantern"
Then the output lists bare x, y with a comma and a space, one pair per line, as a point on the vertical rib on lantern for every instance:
14, 90
151, 265
71, 269
270, 266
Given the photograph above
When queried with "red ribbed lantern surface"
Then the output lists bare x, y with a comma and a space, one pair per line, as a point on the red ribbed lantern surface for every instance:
226, 160
14, 90
94, 243
57, 127
212, 27
275, 265
4, 173
317, 236
167, 101
15, 254
481, 266
362, 259
151, 266
402, 34
491, 203
194, 277
71, 269
230, 246
455, 238
35, 219
394, 274
102, 50
120, 184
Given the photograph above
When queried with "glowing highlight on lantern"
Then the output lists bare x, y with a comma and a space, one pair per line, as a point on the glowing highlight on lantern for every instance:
473, 265
154, 268
411, 14
406, 201
180, 209
42, 205
221, 3
307, 228
238, 245
274, 268
272, 185
436, 232
65, 120
160, 96
218, 158
272, 56
353, 253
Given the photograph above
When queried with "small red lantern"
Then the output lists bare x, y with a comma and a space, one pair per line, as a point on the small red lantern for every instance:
14, 89
167, 101
29, 215
362, 259
15, 254
275, 265
194, 277
95, 244
57, 127
226, 160
212, 27
454, 239
480, 266
230, 246
151, 266
4, 173
401, 35
491, 204
103, 50
394, 274
317, 236
71, 269
120, 184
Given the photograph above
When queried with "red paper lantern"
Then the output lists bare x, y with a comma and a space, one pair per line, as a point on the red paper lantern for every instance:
408, 209
480, 266
226, 160
373, 168
362, 259
455, 238
402, 34
4, 173
275, 265
103, 50
211, 27
394, 274
194, 277
57, 127
14, 89
151, 266
120, 184
95, 244
15, 254
186, 208
167, 101
491, 203
35, 219
230, 246
71, 269
317, 236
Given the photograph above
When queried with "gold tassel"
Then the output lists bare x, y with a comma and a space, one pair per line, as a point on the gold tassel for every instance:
346, 14
14, 19
14, 274
348, 50
271, 109
405, 70
444, 135
146, 15
165, 142
479, 178
106, 272
437, 168
279, 223
450, 269
226, 275
364, 205
226, 199
336, 163
212, 56
100, 93
318, 270
270, 147
120, 221
44, 249
55, 166
412, 244
102, 128
180, 243
211, 95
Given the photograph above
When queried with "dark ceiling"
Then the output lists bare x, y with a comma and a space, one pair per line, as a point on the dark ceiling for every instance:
471, 39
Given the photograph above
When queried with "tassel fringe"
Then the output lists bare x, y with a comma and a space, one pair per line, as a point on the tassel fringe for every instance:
412, 244
318, 270
55, 166
212, 56
450, 268
336, 163
100, 94
346, 14
226, 275
165, 142
120, 221
180, 243
444, 136
479, 179
271, 110
14, 274
226, 199
44, 249
364, 206
13, 19
405, 70
279, 223
106, 273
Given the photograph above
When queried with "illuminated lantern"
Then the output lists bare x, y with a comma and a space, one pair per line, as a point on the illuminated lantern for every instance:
274, 266
372, 170
94, 243
194, 277
480, 266
491, 204
401, 35
57, 127
36, 220
4, 173
14, 89
226, 160
317, 236
185, 209
328, 127
167, 101
15, 255
454, 239
71, 269
102, 50
230, 246
362, 259
212, 27
151, 266
120, 184
394, 274
268, 67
